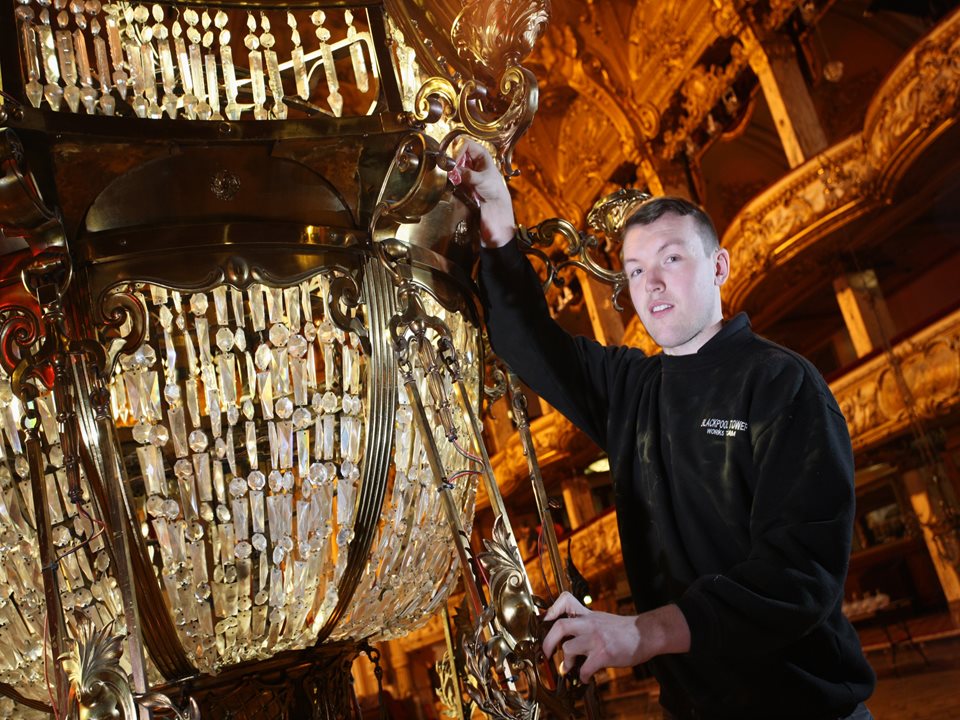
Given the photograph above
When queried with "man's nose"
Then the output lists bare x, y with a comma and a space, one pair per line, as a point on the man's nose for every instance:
654, 281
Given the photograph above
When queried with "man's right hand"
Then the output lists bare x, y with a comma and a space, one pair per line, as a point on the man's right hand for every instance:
481, 179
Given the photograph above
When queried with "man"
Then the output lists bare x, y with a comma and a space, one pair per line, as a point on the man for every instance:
732, 468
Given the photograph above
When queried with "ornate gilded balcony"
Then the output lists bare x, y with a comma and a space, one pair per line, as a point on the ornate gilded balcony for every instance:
874, 400
849, 193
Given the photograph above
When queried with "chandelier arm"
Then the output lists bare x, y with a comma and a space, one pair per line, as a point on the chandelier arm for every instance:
378, 294
518, 403
48, 559
578, 245
476, 437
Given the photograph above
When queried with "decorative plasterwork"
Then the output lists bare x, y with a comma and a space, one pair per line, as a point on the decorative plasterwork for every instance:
872, 397
670, 36
916, 104
700, 92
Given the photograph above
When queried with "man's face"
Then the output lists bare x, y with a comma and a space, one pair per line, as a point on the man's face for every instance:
674, 284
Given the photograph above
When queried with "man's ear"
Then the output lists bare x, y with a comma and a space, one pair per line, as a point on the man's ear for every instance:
721, 268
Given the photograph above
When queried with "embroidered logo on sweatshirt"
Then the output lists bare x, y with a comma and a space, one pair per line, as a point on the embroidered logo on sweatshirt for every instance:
723, 427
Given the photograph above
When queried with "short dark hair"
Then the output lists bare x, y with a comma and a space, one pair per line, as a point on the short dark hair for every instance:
655, 208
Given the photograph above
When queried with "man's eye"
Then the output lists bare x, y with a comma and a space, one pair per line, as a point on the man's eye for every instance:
672, 258
636, 272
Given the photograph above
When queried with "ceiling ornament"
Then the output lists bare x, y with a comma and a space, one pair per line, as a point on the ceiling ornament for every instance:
702, 89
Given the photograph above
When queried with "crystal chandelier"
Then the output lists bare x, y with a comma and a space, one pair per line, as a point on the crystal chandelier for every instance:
241, 353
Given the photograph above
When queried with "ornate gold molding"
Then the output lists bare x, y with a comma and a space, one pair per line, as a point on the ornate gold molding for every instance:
916, 104
700, 92
871, 397
494, 36
596, 551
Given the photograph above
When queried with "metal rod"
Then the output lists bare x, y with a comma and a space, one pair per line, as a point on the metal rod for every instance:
101, 441
48, 561
489, 481
116, 498
518, 402
474, 588
380, 299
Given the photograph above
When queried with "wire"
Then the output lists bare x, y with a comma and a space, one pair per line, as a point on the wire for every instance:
462, 473
466, 453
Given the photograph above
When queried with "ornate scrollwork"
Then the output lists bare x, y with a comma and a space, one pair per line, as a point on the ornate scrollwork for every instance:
496, 35
124, 323
99, 689
513, 611
449, 690
473, 111
414, 183
498, 378
158, 702
578, 248
872, 400
413, 315
702, 89
516, 610
19, 332
609, 213
344, 301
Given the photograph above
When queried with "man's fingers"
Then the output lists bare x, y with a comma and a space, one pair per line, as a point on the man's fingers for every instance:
553, 637
573, 646
591, 664
566, 604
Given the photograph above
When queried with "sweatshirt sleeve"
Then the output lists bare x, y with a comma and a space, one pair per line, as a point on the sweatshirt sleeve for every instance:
573, 374
800, 533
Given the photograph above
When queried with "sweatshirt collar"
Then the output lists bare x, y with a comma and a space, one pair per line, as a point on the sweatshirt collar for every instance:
718, 349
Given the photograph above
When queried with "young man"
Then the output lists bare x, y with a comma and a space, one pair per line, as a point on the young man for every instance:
733, 475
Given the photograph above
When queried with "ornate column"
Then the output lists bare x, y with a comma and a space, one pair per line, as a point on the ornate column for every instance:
864, 311
607, 323
941, 540
578, 501
774, 61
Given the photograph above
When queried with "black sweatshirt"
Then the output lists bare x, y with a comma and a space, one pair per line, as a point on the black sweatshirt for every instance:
733, 475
